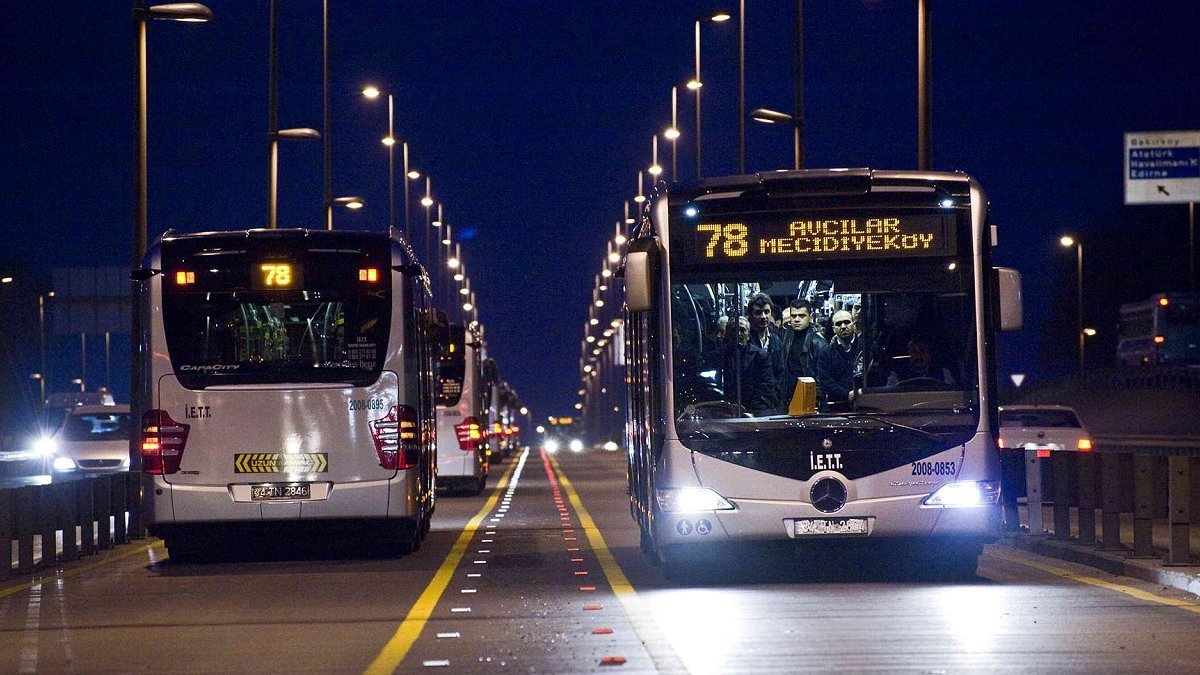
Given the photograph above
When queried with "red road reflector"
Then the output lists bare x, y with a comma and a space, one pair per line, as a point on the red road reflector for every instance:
568, 538
602, 631
572, 549
612, 661
592, 608
587, 588
581, 573
576, 559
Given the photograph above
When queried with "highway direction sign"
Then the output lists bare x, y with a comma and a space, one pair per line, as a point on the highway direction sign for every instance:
1162, 167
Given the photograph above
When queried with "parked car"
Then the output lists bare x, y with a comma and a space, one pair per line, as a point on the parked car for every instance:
92, 439
1042, 427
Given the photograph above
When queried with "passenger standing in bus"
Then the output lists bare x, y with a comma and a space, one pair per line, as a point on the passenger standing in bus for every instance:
801, 345
762, 335
749, 378
840, 363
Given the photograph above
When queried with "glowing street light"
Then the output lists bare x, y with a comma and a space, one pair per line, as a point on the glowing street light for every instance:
1068, 241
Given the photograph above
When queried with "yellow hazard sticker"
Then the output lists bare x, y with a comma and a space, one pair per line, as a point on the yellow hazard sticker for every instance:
275, 462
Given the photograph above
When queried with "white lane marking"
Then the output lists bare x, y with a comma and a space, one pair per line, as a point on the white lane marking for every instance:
439, 663
452, 634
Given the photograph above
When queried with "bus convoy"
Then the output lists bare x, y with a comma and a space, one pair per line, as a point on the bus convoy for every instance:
303, 375
891, 439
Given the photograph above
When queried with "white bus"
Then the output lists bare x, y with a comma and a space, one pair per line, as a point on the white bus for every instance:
288, 377
726, 445
462, 422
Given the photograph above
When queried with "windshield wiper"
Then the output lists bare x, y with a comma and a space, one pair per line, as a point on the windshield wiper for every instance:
902, 427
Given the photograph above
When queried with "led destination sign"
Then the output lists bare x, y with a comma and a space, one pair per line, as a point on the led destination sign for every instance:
745, 239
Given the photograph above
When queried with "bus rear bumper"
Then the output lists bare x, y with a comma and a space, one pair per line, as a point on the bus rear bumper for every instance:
171, 503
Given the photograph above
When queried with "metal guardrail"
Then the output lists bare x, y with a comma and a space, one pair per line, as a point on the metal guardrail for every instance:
93, 514
1148, 476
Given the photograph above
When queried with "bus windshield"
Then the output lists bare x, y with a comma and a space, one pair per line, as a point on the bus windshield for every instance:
888, 341
231, 318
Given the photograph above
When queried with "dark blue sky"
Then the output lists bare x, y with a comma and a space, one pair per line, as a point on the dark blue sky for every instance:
534, 117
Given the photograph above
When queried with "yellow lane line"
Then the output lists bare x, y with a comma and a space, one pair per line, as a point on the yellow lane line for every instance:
1093, 581
74, 572
414, 622
665, 659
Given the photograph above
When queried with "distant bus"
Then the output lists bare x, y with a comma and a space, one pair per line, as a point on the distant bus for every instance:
723, 448
1161, 330
288, 377
462, 420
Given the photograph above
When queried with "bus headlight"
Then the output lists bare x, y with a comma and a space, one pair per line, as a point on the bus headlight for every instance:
576, 445
691, 500
64, 464
964, 494
550, 445
45, 446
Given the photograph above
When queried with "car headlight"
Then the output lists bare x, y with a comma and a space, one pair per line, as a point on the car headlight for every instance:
611, 446
550, 445
964, 494
576, 445
64, 464
691, 500
45, 446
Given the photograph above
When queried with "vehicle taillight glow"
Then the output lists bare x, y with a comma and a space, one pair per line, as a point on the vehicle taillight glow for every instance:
162, 442
1085, 444
396, 438
469, 434
1159, 339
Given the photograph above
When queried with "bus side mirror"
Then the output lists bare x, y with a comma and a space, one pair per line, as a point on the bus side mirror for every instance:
638, 292
1008, 286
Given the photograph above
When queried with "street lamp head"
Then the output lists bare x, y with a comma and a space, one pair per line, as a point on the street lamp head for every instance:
770, 116
413, 175
614, 257
192, 12
655, 169
298, 134
464, 291
671, 133
453, 263
1067, 241
720, 17
426, 202
388, 141
640, 198
619, 239
694, 84
371, 92
1090, 332
458, 276
467, 306
6, 280
352, 203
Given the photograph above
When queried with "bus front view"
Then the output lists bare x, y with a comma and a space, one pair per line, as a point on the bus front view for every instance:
819, 343
287, 379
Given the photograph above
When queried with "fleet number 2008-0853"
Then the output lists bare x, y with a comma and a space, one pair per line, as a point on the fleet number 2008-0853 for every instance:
933, 468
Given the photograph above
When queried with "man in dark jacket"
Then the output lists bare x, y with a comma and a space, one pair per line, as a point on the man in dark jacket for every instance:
749, 377
840, 363
801, 344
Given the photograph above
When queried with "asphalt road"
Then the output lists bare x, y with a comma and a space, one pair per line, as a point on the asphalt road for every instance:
542, 574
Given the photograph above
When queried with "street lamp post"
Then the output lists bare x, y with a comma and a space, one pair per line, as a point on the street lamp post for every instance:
772, 117
1068, 242
389, 141
925, 90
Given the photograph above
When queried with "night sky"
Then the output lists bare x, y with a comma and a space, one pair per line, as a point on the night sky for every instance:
533, 119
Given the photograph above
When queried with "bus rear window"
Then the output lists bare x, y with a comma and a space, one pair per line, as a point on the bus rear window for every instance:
452, 367
276, 316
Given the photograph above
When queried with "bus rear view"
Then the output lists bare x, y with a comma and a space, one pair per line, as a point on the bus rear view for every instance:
286, 380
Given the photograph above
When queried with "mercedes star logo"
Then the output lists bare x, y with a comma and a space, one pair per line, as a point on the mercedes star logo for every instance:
827, 495
827, 443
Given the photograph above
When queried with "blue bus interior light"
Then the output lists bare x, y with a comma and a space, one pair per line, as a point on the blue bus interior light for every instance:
691, 211
947, 203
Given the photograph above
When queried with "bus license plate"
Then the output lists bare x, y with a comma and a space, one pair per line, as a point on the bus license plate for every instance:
272, 492
813, 526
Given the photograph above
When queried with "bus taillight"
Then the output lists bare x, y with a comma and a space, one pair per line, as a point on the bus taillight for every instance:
396, 438
162, 442
1159, 339
469, 434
